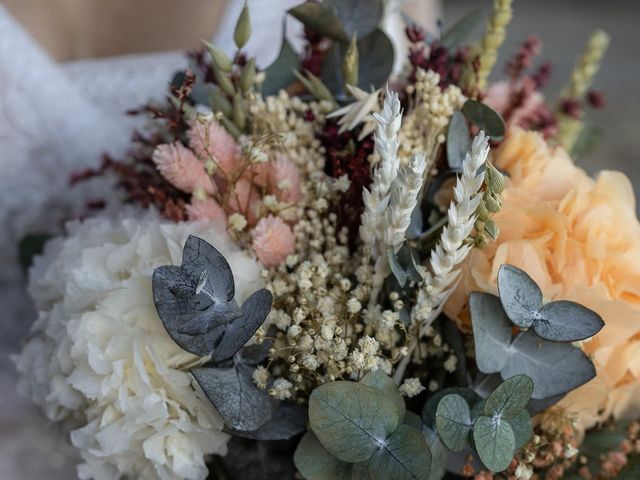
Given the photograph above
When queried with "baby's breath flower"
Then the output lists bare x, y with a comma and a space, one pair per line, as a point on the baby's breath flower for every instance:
353, 305
237, 222
260, 377
411, 387
281, 389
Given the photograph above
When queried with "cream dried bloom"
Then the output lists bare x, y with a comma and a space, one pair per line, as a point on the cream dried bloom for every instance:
411, 387
100, 359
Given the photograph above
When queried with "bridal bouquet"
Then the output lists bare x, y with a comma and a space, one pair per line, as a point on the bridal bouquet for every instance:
325, 271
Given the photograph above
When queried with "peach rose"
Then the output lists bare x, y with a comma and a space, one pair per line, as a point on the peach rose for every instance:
579, 239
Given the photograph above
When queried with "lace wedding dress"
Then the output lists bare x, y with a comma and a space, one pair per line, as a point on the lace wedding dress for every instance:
56, 118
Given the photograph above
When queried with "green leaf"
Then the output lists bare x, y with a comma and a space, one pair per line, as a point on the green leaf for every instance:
315, 463
351, 419
238, 401
404, 455
495, 442
453, 422
491, 332
431, 405
510, 398
458, 141
460, 30
279, 74
359, 471
31, 246
359, 17
320, 18
604, 439
409, 261
485, 118
555, 368
288, 420
438, 453
588, 140
520, 296
564, 321
382, 382
375, 60
522, 428
396, 268
413, 420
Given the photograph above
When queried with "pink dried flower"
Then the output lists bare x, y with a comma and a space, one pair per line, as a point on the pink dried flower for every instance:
211, 141
207, 209
244, 199
273, 241
181, 168
284, 180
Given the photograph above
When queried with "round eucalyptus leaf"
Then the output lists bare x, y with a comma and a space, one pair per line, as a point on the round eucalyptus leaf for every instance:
520, 296
359, 471
358, 17
238, 401
510, 398
279, 74
431, 405
522, 428
351, 420
403, 455
288, 420
382, 382
461, 29
491, 332
453, 422
375, 59
495, 442
555, 368
485, 118
413, 420
315, 463
565, 321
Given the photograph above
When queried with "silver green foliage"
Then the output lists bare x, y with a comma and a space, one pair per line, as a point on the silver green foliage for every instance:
453, 421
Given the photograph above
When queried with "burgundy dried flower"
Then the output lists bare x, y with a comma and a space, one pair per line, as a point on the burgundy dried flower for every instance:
571, 107
596, 99
415, 33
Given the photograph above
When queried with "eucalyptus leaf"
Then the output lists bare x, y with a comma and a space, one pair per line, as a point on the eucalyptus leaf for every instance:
413, 420
605, 439
238, 401
396, 268
409, 261
375, 60
279, 75
460, 30
453, 422
631, 470
288, 420
416, 226
254, 312
315, 463
30, 247
358, 17
256, 353
431, 405
403, 455
522, 428
538, 405
510, 398
438, 453
320, 18
491, 332
485, 118
564, 321
520, 296
458, 141
555, 368
359, 471
495, 442
351, 419
382, 382
332, 69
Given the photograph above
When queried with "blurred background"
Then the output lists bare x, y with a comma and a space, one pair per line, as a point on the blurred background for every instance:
30, 447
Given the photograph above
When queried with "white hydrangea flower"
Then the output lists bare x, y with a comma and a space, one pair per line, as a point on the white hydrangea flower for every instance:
100, 359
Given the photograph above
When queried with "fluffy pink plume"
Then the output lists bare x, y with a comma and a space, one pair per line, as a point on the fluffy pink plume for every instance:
273, 241
284, 180
244, 199
181, 168
207, 209
211, 140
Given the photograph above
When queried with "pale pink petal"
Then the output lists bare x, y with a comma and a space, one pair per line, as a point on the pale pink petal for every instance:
181, 168
284, 180
243, 199
273, 241
207, 209
211, 140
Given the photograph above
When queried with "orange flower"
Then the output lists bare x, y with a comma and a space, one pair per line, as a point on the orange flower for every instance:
579, 239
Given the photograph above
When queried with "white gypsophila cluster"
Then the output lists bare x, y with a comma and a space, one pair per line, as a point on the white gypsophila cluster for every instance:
386, 143
99, 357
451, 248
404, 198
